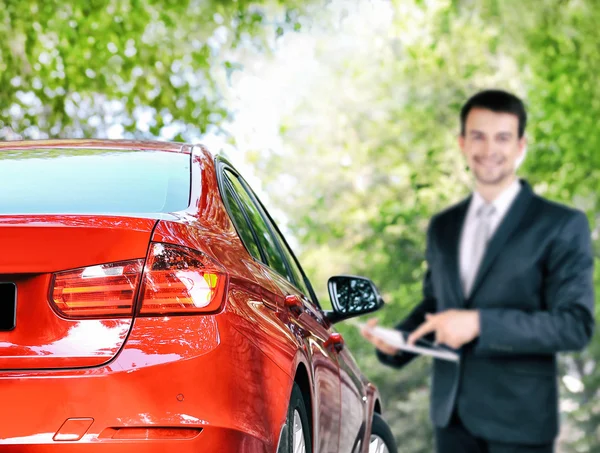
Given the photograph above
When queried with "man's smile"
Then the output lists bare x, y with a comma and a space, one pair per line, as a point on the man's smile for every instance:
489, 162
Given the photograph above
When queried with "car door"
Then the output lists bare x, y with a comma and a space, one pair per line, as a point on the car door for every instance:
354, 403
301, 314
306, 320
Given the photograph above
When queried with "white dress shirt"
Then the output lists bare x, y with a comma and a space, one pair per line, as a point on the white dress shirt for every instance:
501, 204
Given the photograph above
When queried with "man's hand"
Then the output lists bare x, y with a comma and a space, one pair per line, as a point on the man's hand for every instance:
453, 328
377, 342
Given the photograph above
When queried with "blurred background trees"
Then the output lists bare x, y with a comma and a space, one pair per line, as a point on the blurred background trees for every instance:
143, 67
344, 115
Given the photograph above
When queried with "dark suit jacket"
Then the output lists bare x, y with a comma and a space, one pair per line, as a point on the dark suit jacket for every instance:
535, 295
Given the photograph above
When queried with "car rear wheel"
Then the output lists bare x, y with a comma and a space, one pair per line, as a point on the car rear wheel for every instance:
295, 437
382, 439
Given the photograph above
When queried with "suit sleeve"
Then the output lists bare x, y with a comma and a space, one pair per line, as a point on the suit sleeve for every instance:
568, 322
417, 315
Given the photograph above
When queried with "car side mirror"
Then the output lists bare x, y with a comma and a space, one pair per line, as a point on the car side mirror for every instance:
352, 296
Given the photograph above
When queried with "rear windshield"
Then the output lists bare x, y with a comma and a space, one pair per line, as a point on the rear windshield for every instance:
91, 181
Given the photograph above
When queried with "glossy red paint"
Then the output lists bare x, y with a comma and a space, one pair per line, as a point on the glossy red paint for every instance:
39, 244
224, 378
96, 144
34, 247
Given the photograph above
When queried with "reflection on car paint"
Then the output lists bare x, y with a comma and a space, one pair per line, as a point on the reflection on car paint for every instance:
229, 373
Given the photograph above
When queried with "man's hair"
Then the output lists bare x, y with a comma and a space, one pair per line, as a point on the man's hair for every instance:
497, 101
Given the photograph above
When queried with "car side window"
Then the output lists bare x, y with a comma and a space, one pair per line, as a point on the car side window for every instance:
294, 266
240, 221
299, 278
263, 234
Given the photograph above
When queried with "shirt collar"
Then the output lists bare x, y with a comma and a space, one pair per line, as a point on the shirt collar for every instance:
502, 202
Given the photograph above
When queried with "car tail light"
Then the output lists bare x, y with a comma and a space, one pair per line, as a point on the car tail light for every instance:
175, 280
180, 280
106, 290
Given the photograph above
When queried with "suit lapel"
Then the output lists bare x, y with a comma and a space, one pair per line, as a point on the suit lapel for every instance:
507, 227
452, 234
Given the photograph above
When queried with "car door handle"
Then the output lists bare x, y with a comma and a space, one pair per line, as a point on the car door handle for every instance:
336, 340
293, 301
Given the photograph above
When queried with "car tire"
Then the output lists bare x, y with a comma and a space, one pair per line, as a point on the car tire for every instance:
382, 439
295, 435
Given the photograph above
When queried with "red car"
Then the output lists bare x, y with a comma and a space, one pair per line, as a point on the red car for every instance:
149, 303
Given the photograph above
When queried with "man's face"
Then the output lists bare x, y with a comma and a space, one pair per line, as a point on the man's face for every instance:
491, 145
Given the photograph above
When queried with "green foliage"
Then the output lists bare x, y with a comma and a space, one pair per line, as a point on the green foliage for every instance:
369, 153
374, 151
561, 53
71, 69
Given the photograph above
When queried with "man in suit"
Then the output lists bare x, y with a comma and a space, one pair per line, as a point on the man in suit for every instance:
509, 285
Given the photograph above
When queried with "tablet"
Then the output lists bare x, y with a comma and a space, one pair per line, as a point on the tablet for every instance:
398, 340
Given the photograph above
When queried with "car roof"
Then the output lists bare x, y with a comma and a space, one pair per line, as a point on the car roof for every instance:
153, 145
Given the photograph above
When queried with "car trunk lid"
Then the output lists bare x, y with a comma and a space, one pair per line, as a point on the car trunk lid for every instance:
34, 248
